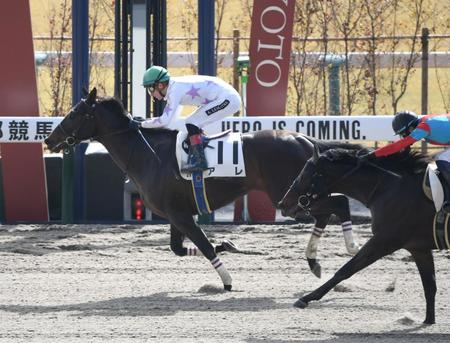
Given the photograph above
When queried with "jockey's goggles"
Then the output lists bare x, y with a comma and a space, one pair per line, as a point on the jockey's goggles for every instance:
151, 89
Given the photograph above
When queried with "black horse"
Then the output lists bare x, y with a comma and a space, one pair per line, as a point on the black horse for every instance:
273, 160
391, 187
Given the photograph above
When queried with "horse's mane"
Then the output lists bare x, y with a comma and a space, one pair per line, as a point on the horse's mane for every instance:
327, 145
115, 105
406, 161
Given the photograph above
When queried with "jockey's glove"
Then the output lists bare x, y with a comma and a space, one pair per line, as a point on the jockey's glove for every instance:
134, 124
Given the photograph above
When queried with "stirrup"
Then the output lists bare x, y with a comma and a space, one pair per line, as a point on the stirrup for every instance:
190, 168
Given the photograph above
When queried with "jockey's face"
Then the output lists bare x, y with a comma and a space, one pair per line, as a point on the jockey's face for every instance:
158, 90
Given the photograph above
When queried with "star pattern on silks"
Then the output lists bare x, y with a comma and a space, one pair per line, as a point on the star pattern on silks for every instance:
167, 109
207, 101
193, 92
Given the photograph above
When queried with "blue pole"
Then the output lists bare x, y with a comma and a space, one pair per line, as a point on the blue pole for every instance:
206, 60
80, 79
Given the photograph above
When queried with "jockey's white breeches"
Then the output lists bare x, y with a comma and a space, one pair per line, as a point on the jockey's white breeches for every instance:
227, 104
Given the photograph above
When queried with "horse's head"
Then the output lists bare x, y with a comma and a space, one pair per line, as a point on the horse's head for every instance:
316, 180
89, 118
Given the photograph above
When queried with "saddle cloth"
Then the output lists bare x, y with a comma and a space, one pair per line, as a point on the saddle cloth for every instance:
433, 189
432, 186
224, 155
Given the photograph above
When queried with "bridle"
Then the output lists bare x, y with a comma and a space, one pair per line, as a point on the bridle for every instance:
319, 189
72, 138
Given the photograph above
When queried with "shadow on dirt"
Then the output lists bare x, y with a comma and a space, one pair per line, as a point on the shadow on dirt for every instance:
388, 337
159, 304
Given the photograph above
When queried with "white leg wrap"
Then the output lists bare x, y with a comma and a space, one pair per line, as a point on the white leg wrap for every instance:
222, 271
350, 244
193, 251
311, 249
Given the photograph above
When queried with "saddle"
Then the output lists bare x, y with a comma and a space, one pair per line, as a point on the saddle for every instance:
433, 189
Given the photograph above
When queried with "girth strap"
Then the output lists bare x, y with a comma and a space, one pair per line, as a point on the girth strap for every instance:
441, 230
199, 190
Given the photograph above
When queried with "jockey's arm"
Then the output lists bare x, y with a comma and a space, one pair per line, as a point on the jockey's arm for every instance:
169, 113
395, 147
420, 132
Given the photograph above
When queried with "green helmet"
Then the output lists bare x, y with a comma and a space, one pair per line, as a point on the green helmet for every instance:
155, 74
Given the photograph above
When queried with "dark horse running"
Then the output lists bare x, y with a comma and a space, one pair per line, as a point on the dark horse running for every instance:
402, 216
272, 158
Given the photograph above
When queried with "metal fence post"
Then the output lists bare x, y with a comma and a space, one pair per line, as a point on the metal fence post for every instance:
243, 67
334, 63
425, 39
236, 51
67, 205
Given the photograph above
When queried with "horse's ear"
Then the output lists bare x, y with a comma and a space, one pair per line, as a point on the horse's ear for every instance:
84, 91
92, 96
316, 153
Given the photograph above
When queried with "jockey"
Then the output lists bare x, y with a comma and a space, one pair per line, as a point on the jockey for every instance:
215, 99
434, 129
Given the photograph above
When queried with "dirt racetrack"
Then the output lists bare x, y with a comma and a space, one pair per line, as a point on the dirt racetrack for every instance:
121, 283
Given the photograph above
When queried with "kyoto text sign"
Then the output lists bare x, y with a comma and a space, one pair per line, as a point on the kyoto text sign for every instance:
270, 53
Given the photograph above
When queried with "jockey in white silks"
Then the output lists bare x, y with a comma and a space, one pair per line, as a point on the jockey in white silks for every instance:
215, 99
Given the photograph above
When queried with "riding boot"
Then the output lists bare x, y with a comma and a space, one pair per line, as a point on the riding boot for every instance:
196, 160
444, 172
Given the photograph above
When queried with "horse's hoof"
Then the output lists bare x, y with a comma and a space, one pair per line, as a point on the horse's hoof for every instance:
353, 249
227, 287
429, 321
315, 267
230, 246
300, 303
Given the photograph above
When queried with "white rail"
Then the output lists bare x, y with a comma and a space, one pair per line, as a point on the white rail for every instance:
349, 128
436, 59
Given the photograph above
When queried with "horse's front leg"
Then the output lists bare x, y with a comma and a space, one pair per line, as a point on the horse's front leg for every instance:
425, 265
340, 206
374, 249
177, 239
184, 223
335, 204
311, 248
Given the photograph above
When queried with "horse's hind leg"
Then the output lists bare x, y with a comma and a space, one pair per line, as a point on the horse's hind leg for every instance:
177, 239
185, 224
425, 265
374, 249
